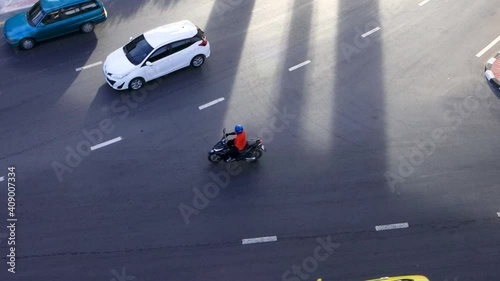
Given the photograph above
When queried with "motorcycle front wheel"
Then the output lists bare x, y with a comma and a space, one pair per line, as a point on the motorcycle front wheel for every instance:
214, 158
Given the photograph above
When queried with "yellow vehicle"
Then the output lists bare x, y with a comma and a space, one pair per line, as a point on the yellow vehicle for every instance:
402, 278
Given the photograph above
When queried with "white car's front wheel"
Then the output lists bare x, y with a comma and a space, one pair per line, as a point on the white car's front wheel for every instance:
136, 83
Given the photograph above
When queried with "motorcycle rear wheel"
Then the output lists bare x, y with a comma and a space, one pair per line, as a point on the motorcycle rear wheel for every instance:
257, 154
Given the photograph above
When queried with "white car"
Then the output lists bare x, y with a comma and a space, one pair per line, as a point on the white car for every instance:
156, 53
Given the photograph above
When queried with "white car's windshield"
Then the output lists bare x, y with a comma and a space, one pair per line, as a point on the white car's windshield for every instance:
35, 14
137, 50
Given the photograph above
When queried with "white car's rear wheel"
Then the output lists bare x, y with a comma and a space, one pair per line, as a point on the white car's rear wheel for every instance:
198, 61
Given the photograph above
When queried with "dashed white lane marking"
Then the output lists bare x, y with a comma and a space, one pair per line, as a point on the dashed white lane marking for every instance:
259, 240
97, 146
391, 226
370, 32
211, 103
1, 178
299, 65
424, 2
488, 47
88, 66
498, 214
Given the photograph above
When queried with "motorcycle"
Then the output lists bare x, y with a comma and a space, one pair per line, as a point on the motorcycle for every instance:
220, 151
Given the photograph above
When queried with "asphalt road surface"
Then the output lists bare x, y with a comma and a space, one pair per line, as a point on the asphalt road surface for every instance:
389, 120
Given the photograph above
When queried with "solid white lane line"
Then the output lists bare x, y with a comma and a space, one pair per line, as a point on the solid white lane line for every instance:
211, 103
88, 66
299, 65
1, 178
371, 31
391, 226
259, 240
97, 146
488, 47
424, 2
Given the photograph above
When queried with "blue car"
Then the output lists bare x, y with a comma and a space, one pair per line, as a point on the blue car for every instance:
51, 18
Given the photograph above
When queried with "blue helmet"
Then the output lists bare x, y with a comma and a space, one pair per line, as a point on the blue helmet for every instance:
238, 129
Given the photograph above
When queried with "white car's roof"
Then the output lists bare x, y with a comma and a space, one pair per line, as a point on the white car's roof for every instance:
170, 33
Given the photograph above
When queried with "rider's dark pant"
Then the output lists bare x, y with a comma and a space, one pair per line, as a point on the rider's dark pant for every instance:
233, 150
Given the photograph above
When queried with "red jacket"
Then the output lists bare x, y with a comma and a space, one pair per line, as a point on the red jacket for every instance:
240, 141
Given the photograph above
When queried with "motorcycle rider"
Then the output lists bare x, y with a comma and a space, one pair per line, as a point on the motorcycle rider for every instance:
237, 144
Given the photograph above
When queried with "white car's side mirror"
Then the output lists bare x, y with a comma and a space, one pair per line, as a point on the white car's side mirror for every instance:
148, 63
130, 39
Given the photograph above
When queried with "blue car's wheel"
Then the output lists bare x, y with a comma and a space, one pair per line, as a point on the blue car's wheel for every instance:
87, 27
27, 43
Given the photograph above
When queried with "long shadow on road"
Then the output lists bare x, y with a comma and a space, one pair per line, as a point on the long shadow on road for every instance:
359, 101
359, 151
226, 29
37, 79
289, 97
